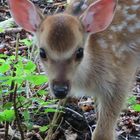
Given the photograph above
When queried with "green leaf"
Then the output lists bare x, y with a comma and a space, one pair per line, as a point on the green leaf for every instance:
37, 79
45, 103
1, 30
136, 107
44, 128
132, 100
35, 99
7, 23
42, 92
26, 115
8, 105
30, 66
6, 91
7, 115
2, 117
7, 82
3, 56
19, 71
26, 42
51, 110
29, 125
12, 57
5, 78
4, 67
2, 61
19, 78
21, 99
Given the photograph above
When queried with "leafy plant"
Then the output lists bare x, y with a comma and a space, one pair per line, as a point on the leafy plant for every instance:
136, 107
1, 30
9, 23
14, 74
44, 128
133, 103
24, 70
27, 42
18, 78
7, 115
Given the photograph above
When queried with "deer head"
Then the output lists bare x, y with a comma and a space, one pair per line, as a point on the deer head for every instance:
62, 37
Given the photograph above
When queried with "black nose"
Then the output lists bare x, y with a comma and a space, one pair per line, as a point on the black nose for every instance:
60, 90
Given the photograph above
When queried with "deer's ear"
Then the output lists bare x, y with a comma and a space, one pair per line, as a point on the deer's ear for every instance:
99, 15
25, 14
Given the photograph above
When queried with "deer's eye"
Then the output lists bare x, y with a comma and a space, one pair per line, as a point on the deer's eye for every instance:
42, 53
79, 53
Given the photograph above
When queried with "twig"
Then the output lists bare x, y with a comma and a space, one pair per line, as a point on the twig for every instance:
17, 46
55, 120
17, 114
74, 112
15, 93
12, 30
10, 100
12, 88
12, 97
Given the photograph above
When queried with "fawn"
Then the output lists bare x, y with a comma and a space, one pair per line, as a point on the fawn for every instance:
92, 48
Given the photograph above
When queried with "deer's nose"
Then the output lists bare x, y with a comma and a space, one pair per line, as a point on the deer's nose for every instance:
60, 89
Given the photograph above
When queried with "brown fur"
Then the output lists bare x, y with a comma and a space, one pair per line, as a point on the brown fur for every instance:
108, 66
58, 31
109, 63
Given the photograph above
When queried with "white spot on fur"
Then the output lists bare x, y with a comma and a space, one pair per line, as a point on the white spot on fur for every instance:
131, 17
119, 7
131, 29
102, 43
113, 47
125, 12
113, 28
135, 7
137, 25
134, 28
132, 45
119, 27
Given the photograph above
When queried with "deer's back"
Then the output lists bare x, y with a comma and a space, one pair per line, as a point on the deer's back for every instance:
122, 38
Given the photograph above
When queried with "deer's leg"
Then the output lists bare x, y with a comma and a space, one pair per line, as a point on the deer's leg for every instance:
109, 109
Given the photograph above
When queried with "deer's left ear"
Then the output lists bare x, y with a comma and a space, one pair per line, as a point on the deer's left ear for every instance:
99, 15
25, 14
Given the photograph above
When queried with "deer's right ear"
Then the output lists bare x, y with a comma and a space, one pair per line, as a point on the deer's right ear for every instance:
99, 15
25, 14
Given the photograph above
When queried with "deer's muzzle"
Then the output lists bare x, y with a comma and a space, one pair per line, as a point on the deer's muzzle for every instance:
60, 89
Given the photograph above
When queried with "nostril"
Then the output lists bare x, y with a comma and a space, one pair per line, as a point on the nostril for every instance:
60, 88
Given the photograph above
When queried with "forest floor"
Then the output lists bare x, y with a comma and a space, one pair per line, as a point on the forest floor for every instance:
79, 118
